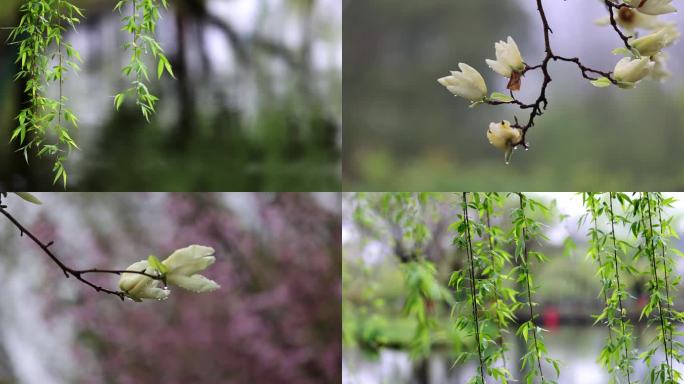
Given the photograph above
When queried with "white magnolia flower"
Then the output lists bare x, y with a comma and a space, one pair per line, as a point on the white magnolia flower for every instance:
503, 136
184, 264
138, 286
631, 19
508, 58
653, 7
660, 71
629, 71
468, 83
651, 44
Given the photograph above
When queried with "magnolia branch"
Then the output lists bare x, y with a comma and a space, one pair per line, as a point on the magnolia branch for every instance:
541, 103
79, 274
612, 7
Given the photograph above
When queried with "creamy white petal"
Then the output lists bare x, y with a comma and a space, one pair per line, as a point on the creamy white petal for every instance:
499, 68
153, 292
190, 260
653, 7
468, 84
474, 77
630, 71
194, 283
651, 44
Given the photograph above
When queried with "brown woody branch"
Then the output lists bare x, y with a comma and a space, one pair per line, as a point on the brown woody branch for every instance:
79, 274
612, 7
541, 102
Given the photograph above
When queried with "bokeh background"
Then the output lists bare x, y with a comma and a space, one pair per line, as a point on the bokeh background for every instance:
378, 335
257, 103
404, 131
275, 319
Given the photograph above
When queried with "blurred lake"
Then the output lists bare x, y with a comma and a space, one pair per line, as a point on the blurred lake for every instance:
576, 347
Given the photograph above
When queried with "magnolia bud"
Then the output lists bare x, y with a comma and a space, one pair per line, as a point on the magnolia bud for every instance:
651, 44
138, 286
502, 136
629, 71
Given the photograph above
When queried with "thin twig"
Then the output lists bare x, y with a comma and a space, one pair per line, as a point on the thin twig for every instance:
613, 22
541, 102
68, 271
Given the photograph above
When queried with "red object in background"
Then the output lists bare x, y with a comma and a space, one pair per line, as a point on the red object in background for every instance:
550, 318
641, 302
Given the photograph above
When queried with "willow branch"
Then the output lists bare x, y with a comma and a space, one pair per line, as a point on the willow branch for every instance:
617, 279
529, 289
490, 243
472, 285
79, 274
651, 248
599, 258
665, 267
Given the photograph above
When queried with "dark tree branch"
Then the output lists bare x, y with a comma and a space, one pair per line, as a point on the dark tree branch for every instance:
540, 104
68, 271
613, 21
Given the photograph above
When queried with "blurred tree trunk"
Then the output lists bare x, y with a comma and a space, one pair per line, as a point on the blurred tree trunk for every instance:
186, 100
423, 372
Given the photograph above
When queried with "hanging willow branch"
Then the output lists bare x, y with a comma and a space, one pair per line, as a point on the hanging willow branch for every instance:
651, 250
503, 313
625, 337
668, 308
142, 25
672, 314
642, 228
605, 281
44, 56
473, 283
44, 123
522, 253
